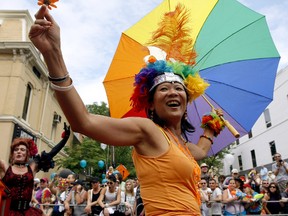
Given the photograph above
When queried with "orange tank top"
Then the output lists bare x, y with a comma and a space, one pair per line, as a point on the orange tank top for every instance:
168, 182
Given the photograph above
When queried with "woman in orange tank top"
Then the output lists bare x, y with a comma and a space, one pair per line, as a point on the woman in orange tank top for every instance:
165, 161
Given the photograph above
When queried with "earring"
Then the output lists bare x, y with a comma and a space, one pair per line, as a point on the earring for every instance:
151, 116
185, 115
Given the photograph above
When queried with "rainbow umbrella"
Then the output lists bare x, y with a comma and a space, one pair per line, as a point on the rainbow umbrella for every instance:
235, 54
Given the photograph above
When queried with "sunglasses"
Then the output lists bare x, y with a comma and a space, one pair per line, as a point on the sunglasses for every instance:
272, 187
110, 183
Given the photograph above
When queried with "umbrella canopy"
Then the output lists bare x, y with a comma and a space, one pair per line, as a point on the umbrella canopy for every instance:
235, 54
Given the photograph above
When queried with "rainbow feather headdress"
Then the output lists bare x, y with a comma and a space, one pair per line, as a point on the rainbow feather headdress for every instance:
171, 59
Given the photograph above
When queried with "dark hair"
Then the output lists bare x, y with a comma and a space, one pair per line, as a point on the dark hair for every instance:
277, 193
120, 177
212, 179
112, 178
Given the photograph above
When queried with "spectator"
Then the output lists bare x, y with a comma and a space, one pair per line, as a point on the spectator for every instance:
138, 205
128, 197
205, 194
221, 180
57, 186
39, 193
109, 172
274, 196
111, 197
239, 183
93, 208
205, 172
36, 184
253, 206
234, 174
76, 197
271, 177
264, 186
280, 170
232, 201
71, 178
263, 173
119, 181
215, 198
135, 184
254, 180
285, 200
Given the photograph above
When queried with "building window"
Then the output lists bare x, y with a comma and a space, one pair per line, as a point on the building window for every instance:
267, 118
250, 134
27, 102
253, 156
272, 148
240, 163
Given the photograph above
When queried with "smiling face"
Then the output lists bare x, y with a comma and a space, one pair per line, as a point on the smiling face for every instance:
170, 101
20, 154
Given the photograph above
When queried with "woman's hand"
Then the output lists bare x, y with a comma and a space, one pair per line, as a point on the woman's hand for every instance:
219, 112
88, 209
45, 32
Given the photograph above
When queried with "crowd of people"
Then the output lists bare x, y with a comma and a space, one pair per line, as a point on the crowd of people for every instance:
258, 192
71, 196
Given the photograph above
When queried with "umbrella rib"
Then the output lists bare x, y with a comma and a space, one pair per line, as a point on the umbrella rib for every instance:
234, 87
226, 39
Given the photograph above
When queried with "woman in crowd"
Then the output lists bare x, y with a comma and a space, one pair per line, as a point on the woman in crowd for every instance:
205, 193
233, 205
109, 171
128, 197
163, 89
273, 196
93, 207
254, 205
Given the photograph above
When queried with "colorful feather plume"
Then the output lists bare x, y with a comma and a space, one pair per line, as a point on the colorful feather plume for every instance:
173, 36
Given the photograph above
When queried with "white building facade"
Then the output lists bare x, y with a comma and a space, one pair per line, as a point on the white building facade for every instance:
268, 135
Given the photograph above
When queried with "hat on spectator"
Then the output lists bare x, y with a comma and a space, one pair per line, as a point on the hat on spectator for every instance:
204, 165
78, 182
36, 180
44, 179
246, 185
234, 171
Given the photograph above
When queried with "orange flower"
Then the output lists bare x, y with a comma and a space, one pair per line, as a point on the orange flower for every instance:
49, 3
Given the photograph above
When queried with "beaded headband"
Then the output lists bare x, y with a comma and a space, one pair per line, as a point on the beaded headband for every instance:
166, 77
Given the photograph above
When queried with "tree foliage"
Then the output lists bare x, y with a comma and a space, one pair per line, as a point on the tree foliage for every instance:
91, 151
215, 162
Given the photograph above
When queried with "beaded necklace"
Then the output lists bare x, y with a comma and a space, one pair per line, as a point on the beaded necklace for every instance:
184, 149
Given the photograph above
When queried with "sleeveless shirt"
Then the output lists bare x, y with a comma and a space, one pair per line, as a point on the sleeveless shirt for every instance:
168, 182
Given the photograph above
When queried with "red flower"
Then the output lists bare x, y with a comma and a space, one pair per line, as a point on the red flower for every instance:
33, 150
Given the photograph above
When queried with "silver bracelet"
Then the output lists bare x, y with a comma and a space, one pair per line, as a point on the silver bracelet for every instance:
59, 79
62, 88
